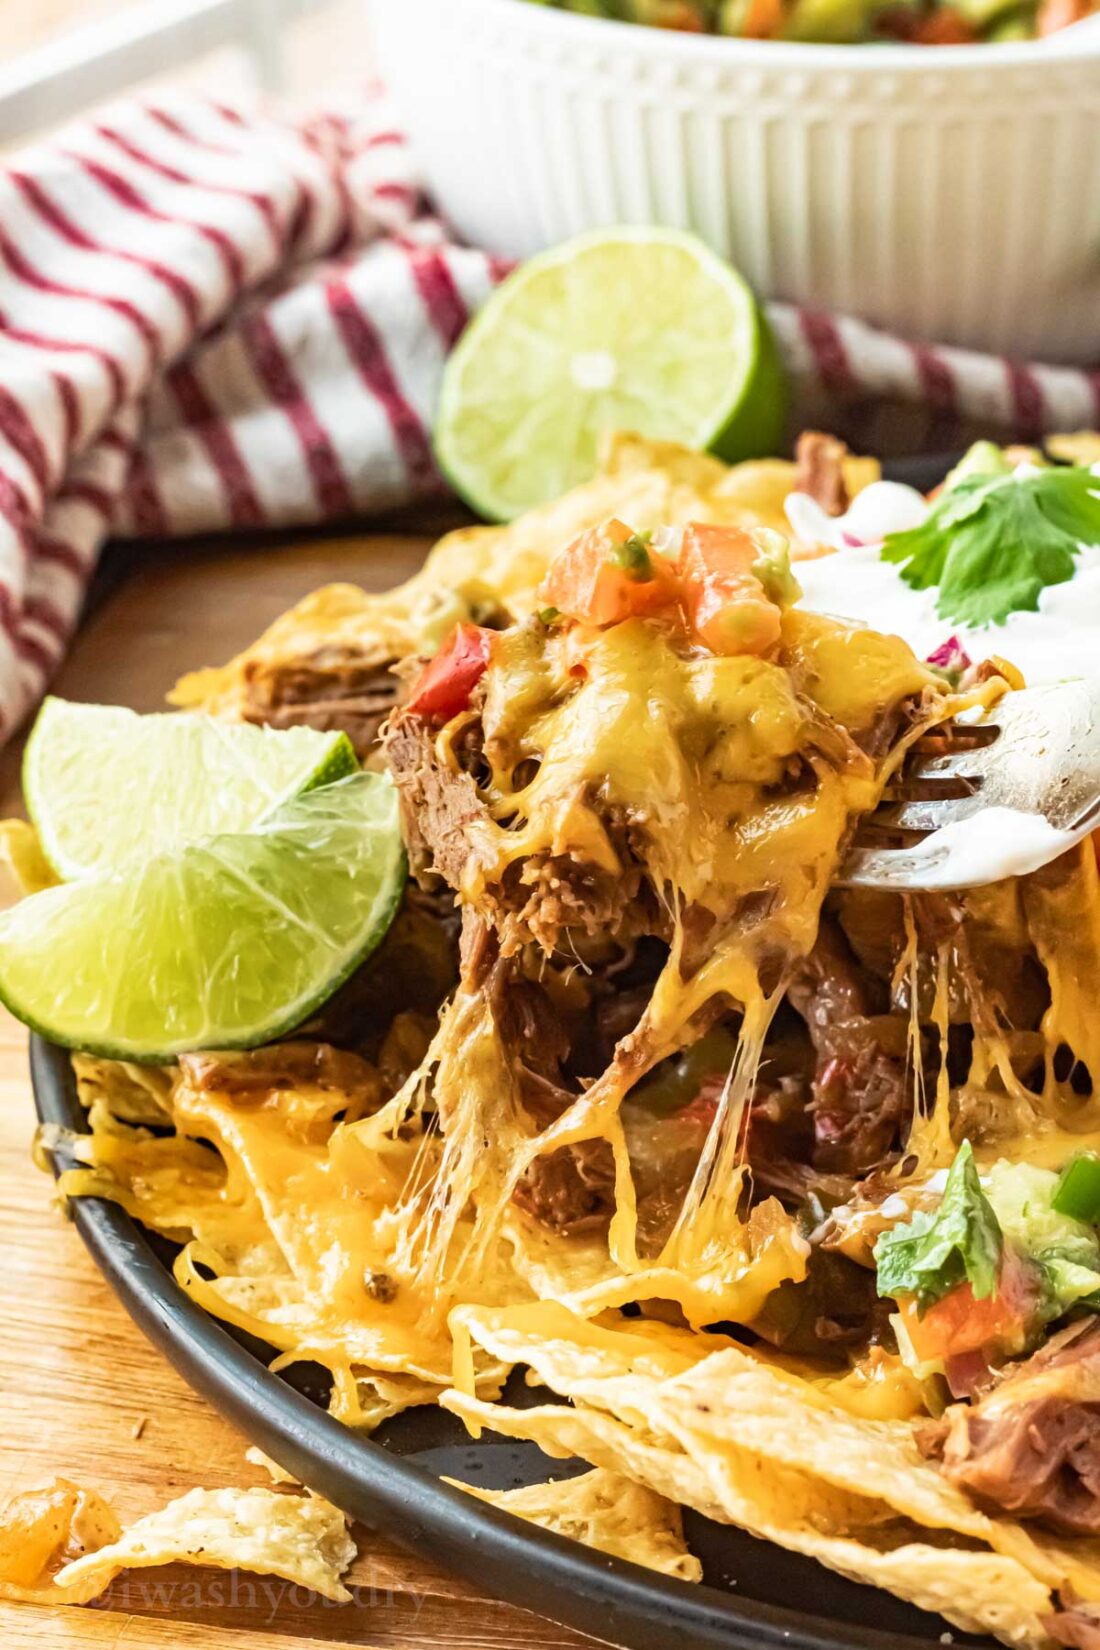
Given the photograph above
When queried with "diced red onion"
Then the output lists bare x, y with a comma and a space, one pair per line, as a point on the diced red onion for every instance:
950, 655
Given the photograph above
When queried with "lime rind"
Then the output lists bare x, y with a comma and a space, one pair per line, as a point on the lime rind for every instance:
228, 943
691, 355
757, 424
106, 787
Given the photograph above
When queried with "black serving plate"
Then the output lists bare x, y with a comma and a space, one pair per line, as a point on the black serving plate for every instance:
754, 1597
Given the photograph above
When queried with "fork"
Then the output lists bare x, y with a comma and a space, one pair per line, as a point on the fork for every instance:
986, 796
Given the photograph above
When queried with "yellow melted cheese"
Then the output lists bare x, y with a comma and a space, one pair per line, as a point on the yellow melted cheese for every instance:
1056, 912
737, 779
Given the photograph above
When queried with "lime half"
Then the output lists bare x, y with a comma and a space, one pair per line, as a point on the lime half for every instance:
106, 787
631, 329
226, 943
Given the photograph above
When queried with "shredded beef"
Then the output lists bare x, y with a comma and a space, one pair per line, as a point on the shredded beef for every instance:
441, 812
833, 1307
555, 894
527, 1021
569, 1190
476, 948
1031, 1446
542, 898
820, 460
1076, 1625
860, 1093
614, 1016
779, 1143
281, 1066
332, 688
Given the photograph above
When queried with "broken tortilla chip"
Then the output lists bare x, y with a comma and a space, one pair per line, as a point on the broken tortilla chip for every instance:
278, 1475
300, 1538
978, 1591
757, 1446
43, 1530
604, 1510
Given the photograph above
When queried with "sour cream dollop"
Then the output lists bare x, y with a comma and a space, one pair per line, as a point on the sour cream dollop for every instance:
1059, 640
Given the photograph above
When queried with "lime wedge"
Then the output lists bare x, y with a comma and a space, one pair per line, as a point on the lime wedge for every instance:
226, 943
106, 787
631, 329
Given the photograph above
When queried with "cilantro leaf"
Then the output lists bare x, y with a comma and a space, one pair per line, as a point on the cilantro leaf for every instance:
932, 1253
993, 542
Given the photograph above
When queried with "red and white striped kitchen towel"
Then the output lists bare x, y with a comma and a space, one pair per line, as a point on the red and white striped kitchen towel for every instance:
210, 320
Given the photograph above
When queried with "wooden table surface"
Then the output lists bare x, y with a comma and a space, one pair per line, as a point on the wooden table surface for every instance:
84, 1395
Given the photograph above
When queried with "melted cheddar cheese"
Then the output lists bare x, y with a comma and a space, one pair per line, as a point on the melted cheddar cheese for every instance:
733, 783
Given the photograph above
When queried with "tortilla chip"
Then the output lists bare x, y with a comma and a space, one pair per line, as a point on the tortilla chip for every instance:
980, 1592
300, 1538
730, 1408
42, 1530
22, 857
646, 483
564, 1431
132, 1094
1076, 447
604, 1510
555, 1266
328, 1235
337, 620
275, 1472
732, 1488
175, 1186
729, 1402
567, 1352
364, 1398
707, 1388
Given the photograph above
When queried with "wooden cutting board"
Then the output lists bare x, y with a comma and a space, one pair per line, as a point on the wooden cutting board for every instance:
83, 1393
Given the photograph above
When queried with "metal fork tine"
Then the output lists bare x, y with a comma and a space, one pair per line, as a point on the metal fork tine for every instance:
953, 747
952, 762
1037, 752
936, 787
956, 736
927, 814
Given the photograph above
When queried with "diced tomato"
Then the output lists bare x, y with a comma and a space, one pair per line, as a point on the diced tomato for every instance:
763, 19
944, 27
608, 575
725, 602
832, 1110
444, 686
704, 1108
1059, 14
679, 14
959, 1324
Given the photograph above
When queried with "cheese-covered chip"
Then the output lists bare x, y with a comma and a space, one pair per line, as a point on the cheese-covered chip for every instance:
978, 1590
603, 1509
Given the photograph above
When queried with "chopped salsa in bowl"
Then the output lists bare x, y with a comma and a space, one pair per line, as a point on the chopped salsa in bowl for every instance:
846, 22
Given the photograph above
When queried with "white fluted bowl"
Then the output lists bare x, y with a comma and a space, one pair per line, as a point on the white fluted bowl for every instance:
950, 193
